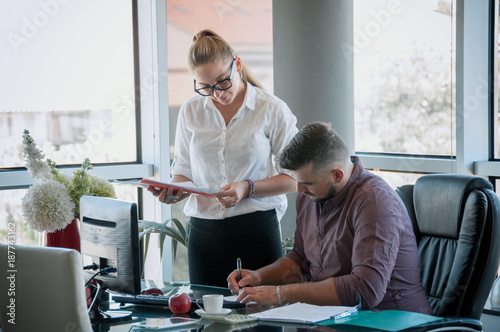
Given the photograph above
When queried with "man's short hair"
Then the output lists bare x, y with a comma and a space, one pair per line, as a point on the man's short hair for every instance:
318, 143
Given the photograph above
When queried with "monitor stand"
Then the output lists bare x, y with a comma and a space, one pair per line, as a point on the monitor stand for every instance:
97, 315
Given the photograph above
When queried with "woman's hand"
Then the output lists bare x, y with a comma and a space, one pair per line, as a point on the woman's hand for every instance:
232, 193
168, 195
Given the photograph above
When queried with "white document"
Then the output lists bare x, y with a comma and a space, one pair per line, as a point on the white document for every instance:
302, 313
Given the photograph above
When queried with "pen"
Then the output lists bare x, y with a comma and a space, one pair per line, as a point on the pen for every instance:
238, 268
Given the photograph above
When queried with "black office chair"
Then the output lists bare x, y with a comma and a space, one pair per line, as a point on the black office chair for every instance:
456, 219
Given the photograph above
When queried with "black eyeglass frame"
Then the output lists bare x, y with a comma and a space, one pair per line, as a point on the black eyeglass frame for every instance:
215, 86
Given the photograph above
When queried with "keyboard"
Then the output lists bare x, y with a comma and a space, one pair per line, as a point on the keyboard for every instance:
162, 300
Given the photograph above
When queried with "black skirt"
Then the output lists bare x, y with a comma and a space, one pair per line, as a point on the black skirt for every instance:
215, 245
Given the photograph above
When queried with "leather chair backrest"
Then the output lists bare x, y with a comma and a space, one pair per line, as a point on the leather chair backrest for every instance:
457, 226
406, 194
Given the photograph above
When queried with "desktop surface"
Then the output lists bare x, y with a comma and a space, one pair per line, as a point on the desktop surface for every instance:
142, 312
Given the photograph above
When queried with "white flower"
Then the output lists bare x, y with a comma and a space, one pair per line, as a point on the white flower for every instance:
37, 167
53, 202
47, 206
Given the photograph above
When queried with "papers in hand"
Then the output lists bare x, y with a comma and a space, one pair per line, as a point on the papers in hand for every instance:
188, 187
302, 313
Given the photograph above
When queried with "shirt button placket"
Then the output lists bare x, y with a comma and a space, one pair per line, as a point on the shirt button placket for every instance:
222, 172
222, 165
320, 237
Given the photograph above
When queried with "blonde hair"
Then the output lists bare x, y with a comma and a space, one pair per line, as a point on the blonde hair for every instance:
209, 47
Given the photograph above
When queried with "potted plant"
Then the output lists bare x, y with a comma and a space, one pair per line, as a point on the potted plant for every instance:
51, 205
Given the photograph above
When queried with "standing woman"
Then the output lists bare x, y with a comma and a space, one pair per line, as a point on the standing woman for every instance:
229, 137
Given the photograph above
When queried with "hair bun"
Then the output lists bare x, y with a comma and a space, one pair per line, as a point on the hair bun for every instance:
203, 33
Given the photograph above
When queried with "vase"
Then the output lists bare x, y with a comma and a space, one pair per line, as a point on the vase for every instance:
68, 237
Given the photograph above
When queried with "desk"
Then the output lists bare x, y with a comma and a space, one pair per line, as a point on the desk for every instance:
140, 313
207, 326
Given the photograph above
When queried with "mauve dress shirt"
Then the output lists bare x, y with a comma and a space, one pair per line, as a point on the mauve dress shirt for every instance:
362, 237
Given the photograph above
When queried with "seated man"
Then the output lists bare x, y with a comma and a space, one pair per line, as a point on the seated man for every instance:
353, 239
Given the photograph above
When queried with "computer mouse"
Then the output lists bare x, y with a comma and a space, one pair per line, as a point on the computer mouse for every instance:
152, 291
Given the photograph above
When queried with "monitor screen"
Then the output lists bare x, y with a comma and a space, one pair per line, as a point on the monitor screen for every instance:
109, 238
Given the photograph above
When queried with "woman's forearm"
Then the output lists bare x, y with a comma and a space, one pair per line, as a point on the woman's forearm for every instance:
276, 185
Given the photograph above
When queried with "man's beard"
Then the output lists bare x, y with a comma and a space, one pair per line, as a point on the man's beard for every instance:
332, 191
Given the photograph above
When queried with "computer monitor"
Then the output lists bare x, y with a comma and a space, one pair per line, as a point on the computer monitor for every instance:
110, 251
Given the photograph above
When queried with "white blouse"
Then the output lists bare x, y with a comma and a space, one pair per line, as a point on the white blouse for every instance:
211, 154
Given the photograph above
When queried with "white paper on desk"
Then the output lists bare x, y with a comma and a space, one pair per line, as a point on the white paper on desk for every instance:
301, 313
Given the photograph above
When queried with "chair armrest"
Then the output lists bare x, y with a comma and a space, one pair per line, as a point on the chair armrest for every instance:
450, 324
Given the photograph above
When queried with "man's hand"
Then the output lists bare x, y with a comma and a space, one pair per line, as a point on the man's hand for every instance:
232, 193
261, 295
248, 279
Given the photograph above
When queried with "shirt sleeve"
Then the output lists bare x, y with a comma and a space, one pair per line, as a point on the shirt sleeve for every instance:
297, 254
182, 161
378, 230
281, 132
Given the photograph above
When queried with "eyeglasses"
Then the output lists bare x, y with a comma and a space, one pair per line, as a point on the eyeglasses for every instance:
221, 86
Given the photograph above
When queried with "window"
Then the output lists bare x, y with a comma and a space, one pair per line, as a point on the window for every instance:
395, 179
404, 77
67, 77
69, 82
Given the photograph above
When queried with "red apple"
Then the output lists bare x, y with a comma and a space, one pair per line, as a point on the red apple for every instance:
179, 303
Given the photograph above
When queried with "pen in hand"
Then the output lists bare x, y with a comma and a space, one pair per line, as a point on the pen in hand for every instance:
238, 268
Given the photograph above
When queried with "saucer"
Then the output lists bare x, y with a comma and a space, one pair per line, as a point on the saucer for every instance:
202, 312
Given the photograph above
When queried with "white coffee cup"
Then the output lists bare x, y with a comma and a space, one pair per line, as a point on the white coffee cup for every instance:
212, 303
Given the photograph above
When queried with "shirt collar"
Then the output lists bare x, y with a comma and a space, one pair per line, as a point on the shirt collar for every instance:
248, 102
250, 97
